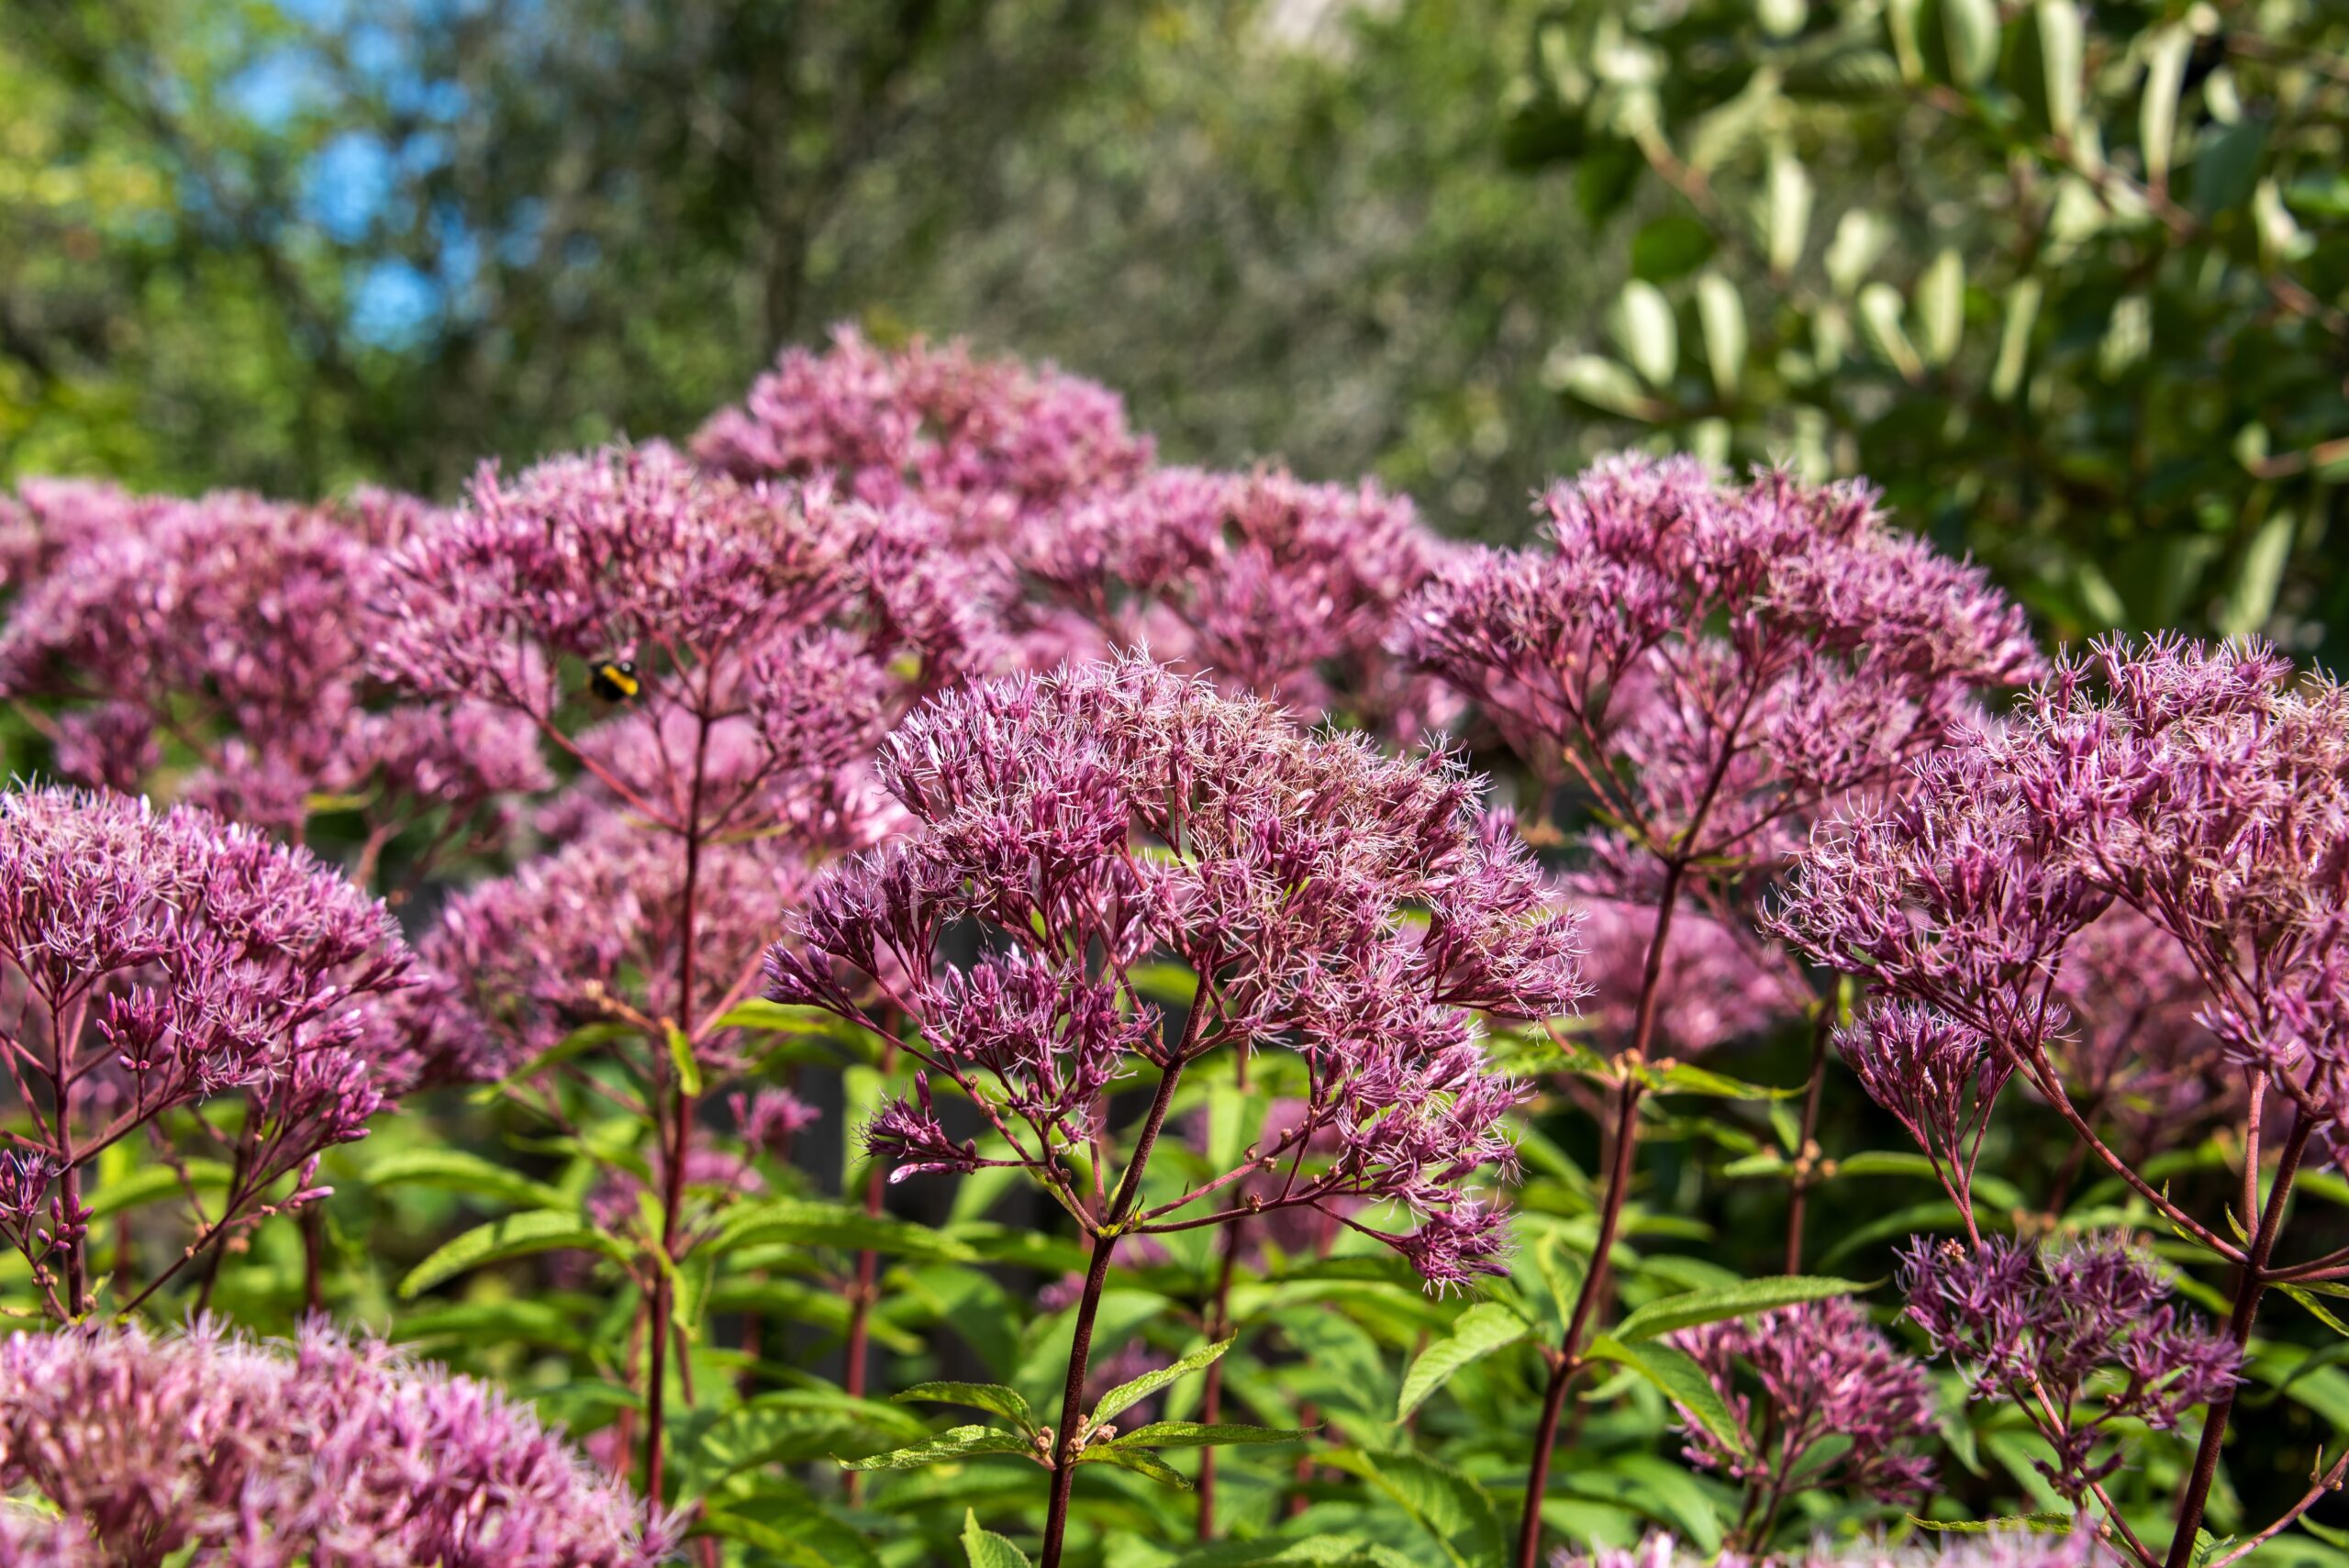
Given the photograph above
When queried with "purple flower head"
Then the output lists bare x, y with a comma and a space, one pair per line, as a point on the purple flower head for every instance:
761, 651
2006, 1548
1349, 906
162, 959
2201, 795
335, 1449
770, 1118
1938, 1076
2080, 1337
589, 934
1825, 1373
982, 439
1709, 661
241, 627
1264, 582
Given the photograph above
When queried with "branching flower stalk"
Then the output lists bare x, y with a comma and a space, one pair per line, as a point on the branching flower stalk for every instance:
747, 643
155, 966
1353, 909
2196, 794
1704, 670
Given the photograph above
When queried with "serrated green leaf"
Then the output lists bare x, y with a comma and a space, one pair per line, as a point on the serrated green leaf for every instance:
515, 1235
984, 1549
994, 1398
1482, 1329
1677, 1376
1692, 1307
1191, 1434
2036, 1524
955, 1442
1126, 1395
1139, 1460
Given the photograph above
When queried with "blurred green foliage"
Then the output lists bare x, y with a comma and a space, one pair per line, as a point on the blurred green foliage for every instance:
2069, 282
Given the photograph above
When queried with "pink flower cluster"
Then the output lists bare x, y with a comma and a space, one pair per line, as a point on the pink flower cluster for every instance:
235, 629
2081, 1338
207, 1448
2199, 792
989, 438
1843, 1407
1106, 815
1710, 661
157, 960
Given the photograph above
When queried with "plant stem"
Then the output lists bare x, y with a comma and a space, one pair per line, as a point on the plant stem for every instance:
1806, 1149
1568, 1363
2251, 1283
1105, 1244
1211, 1399
680, 1116
314, 1246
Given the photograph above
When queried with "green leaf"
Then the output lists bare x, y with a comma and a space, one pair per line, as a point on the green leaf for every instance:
1126, 1395
1880, 309
1940, 306
994, 1397
1604, 385
1445, 1501
1191, 1434
779, 1016
455, 1170
1959, 40
2034, 1524
984, 1549
955, 1442
515, 1235
1139, 1460
831, 1546
1786, 212
1741, 1300
2252, 598
1722, 315
151, 1183
516, 1322
1680, 1078
578, 1042
819, 1222
2063, 47
1677, 1376
1482, 1329
681, 1058
2167, 49
1670, 247
2316, 1308
1646, 332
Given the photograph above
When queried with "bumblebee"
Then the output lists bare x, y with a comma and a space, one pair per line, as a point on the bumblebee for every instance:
614, 680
